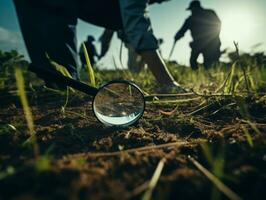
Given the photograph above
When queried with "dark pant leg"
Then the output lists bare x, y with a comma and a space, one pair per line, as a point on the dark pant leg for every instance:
104, 13
193, 58
211, 56
47, 30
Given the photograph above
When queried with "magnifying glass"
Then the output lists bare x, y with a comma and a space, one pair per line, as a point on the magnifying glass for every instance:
117, 103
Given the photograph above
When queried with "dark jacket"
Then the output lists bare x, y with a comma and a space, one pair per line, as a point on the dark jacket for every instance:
205, 28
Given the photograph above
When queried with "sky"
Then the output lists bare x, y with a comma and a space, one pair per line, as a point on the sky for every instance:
243, 21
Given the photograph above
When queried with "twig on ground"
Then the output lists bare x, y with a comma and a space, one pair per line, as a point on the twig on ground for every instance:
201, 109
138, 190
154, 180
169, 113
77, 114
178, 101
143, 149
171, 95
219, 184
242, 68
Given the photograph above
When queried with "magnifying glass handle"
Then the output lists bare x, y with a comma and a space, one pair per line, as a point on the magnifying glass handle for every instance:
60, 79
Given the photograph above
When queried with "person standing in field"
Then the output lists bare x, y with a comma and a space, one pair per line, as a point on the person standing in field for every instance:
205, 27
49, 27
92, 52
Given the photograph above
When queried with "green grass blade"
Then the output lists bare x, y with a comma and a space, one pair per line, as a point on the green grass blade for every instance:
229, 87
91, 74
26, 109
253, 126
252, 84
207, 153
248, 136
23, 99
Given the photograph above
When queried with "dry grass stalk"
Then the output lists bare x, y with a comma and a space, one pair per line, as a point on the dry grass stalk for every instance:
154, 180
144, 149
219, 184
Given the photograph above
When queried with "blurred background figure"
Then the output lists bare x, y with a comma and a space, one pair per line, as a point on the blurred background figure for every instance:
160, 42
91, 51
205, 27
135, 63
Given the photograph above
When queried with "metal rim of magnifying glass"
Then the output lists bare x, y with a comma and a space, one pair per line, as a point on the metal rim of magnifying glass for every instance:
129, 83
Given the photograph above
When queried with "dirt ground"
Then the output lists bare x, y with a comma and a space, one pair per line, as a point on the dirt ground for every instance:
82, 159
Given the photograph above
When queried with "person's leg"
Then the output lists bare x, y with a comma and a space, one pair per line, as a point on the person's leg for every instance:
193, 58
112, 19
135, 63
48, 31
211, 56
104, 13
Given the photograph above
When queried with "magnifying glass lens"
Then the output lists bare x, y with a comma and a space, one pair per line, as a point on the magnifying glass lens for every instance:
118, 104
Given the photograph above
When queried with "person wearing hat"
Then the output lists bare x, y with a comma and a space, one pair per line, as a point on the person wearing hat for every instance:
49, 28
205, 27
92, 52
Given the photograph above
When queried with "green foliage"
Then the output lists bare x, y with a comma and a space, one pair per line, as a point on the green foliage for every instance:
9, 171
257, 58
230, 84
227, 81
26, 108
23, 99
61, 69
7, 129
7, 60
216, 161
91, 74
43, 163
248, 136
63, 108
200, 80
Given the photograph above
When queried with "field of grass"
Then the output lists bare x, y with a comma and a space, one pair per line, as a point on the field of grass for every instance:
209, 144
